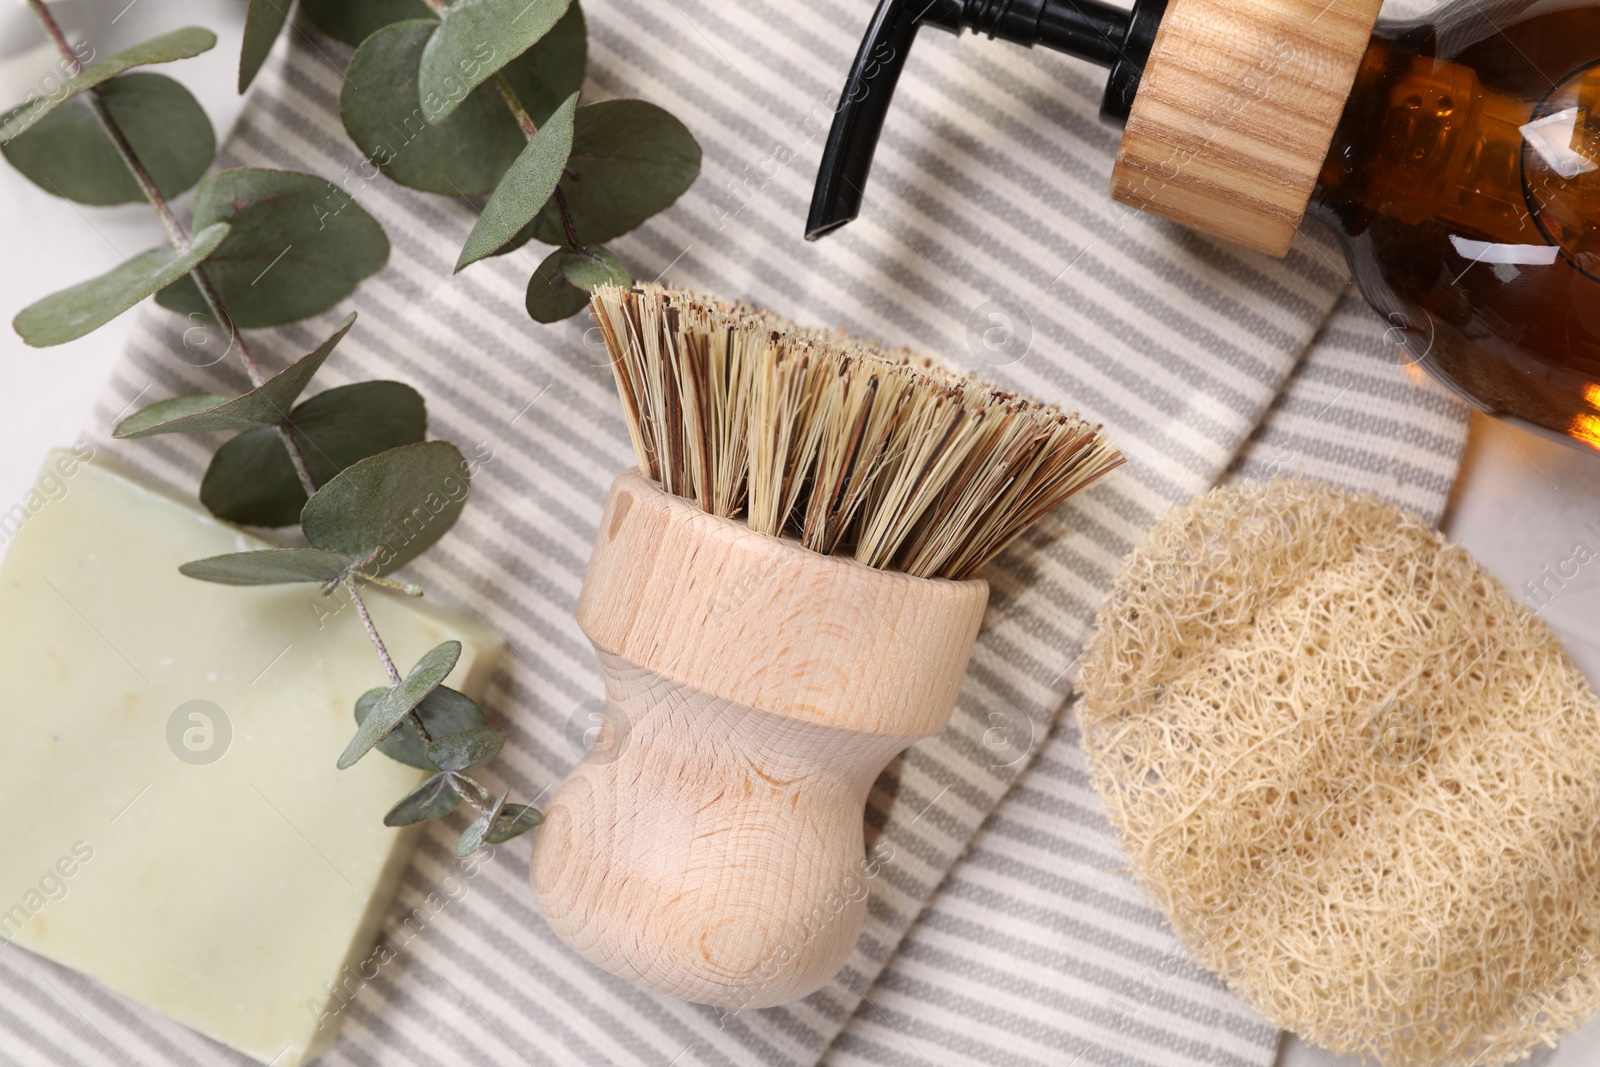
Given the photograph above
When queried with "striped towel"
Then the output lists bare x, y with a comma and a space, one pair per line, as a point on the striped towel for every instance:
1002, 929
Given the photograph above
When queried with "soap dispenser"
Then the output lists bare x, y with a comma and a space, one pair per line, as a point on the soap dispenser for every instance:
1457, 158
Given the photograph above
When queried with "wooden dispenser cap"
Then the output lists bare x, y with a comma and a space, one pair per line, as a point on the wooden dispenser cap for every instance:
1236, 110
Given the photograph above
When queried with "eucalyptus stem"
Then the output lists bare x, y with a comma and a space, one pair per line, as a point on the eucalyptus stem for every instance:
372, 632
403, 588
383, 652
469, 798
566, 219
524, 120
169, 221
53, 29
297, 457
177, 236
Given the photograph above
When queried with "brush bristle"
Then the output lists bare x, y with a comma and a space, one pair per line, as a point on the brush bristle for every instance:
854, 450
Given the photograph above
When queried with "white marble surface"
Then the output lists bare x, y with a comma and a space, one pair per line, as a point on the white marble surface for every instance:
1520, 505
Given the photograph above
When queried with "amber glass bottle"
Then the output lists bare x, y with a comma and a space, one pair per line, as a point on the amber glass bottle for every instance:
1465, 181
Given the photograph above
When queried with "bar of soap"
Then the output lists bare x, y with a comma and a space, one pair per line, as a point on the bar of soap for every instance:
175, 825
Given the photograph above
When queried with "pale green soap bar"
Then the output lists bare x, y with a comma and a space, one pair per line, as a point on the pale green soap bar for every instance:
225, 894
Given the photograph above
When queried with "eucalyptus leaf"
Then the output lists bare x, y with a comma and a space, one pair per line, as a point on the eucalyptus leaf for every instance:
148, 420
474, 39
251, 480
466, 750
552, 70
514, 821
435, 798
463, 156
525, 188
551, 297
443, 711
264, 405
268, 566
179, 44
353, 21
390, 507
299, 245
472, 837
263, 21
397, 702
69, 154
592, 267
630, 159
84, 308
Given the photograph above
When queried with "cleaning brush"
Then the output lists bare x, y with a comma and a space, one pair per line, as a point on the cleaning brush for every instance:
904, 464
782, 599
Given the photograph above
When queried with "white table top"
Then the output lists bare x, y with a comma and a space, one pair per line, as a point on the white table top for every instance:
1520, 504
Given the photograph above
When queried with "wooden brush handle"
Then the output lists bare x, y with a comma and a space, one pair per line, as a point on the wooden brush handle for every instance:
709, 846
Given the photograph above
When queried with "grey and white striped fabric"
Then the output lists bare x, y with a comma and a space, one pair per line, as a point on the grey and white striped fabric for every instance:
1356, 413
1000, 930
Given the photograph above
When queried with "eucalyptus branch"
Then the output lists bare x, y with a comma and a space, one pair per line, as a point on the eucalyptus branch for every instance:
177, 236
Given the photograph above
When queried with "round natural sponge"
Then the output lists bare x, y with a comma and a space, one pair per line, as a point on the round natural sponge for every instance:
1361, 781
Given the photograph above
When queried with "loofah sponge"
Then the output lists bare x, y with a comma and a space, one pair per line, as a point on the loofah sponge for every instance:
1361, 781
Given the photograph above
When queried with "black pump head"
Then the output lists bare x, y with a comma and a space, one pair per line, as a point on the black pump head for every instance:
1087, 29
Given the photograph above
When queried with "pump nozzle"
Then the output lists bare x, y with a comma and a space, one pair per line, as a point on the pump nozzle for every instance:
1088, 29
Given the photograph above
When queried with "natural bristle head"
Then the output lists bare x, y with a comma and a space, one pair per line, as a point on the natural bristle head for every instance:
853, 449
